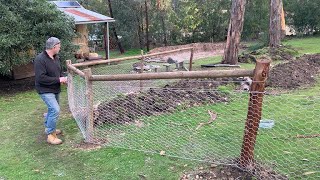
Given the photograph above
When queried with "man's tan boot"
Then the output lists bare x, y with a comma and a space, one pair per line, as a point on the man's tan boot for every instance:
58, 131
52, 139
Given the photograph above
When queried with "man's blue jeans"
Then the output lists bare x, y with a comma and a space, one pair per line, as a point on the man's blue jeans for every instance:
52, 102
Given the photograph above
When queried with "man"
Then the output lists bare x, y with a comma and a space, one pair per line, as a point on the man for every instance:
48, 77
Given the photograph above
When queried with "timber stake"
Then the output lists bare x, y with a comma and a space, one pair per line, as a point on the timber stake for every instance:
254, 112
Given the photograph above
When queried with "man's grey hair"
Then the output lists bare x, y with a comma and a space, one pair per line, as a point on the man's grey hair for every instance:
51, 42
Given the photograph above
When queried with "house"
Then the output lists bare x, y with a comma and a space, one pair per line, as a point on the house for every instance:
82, 17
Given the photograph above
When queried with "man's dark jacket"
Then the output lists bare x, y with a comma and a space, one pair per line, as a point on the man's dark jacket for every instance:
47, 73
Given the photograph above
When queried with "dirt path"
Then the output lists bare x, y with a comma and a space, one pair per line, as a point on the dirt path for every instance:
201, 50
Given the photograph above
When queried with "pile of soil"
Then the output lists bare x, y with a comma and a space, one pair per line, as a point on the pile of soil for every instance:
159, 100
294, 74
283, 53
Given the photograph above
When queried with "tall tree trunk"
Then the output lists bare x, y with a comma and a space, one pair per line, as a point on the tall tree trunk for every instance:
275, 24
142, 27
147, 26
161, 9
165, 42
234, 32
140, 32
283, 22
114, 30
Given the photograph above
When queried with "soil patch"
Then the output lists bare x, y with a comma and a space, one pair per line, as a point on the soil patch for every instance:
232, 173
10, 86
201, 50
182, 95
217, 172
294, 74
198, 47
87, 146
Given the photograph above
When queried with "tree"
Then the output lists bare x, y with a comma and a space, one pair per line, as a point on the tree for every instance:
275, 23
256, 20
188, 19
303, 15
114, 30
161, 6
215, 18
24, 28
147, 25
234, 32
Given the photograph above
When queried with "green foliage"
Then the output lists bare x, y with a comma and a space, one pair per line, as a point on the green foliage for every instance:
303, 15
201, 20
256, 20
180, 22
25, 26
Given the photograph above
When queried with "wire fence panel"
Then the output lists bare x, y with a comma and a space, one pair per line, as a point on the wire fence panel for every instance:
201, 119
289, 139
77, 101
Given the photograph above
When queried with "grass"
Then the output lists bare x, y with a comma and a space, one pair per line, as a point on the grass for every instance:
307, 45
24, 154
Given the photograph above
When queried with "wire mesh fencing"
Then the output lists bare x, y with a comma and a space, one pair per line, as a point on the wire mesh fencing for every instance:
202, 119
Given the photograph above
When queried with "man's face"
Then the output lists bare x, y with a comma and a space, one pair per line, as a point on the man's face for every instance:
56, 48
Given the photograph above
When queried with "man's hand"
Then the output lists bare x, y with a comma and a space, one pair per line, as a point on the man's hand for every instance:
63, 80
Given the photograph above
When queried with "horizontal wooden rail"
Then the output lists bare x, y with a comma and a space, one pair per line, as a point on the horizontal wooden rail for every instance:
76, 70
168, 52
90, 63
174, 75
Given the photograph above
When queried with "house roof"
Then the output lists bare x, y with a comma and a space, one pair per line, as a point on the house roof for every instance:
80, 14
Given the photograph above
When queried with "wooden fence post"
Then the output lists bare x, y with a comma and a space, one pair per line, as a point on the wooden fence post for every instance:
142, 68
254, 112
89, 98
191, 58
70, 85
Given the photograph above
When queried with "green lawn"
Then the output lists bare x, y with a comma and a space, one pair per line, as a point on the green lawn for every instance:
308, 45
24, 154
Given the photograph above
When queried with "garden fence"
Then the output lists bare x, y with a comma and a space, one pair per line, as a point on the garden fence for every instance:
198, 115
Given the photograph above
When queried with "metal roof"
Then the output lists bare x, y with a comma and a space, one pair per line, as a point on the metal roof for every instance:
80, 14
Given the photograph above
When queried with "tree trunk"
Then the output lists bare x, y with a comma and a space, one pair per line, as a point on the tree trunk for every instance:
165, 42
161, 9
275, 24
283, 23
114, 30
140, 31
141, 28
234, 32
140, 35
147, 26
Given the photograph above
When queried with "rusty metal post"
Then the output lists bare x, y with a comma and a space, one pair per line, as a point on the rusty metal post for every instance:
89, 99
191, 58
254, 112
